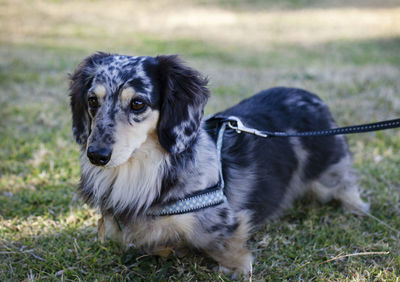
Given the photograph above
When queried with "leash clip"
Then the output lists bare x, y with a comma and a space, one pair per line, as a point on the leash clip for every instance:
240, 127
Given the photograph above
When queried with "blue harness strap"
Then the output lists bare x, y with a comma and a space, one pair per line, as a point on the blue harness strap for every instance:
198, 200
208, 198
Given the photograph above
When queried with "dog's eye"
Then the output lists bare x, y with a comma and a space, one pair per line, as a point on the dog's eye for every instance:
138, 105
93, 102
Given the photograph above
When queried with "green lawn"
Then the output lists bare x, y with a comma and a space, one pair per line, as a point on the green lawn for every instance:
348, 52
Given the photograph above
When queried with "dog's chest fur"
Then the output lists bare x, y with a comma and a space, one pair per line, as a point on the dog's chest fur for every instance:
128, 185
124, 192
150, 235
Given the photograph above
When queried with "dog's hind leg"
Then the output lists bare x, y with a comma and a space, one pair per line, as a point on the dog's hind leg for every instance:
340, 182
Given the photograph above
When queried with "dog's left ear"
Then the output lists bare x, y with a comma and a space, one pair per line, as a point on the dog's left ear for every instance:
183, 97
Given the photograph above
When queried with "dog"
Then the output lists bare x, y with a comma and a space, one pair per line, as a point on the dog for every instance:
145, 143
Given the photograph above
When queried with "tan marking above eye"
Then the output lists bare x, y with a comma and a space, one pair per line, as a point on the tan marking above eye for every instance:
100, 91
127, 94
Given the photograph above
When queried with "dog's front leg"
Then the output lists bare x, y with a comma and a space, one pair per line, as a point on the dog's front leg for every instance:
108, 227
234, 258
230, 250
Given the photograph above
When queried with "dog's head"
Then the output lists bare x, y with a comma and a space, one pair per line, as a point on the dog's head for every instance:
118, 102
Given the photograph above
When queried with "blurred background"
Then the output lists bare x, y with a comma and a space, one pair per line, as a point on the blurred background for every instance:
348, 52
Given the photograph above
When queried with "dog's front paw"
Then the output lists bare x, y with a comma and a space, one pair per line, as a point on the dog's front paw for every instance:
235, 265
236, 271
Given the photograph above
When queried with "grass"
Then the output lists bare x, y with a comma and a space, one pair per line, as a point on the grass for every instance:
46, 233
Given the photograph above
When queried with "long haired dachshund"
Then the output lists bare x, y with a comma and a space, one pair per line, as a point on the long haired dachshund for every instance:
144, 144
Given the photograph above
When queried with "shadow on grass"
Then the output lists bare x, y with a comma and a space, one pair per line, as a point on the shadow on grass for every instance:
48, 201
76, 254
298, 246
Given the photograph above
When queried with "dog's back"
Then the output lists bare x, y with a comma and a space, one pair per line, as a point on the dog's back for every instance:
266, 175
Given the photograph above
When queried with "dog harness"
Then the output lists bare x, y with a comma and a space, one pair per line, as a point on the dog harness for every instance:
198, 200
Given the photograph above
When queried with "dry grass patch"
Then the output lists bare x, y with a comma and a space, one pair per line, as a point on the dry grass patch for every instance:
100, 21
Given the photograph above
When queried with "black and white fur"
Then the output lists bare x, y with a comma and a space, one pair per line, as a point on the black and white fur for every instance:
133, 160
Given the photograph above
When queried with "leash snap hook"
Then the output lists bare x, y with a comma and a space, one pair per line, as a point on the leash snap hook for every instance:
240, 127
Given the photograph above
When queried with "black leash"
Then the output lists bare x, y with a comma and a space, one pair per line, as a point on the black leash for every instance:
236, 124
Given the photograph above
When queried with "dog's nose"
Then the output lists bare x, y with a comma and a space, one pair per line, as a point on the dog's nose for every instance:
98, 156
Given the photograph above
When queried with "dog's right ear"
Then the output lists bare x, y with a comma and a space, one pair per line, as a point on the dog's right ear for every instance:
80, 82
